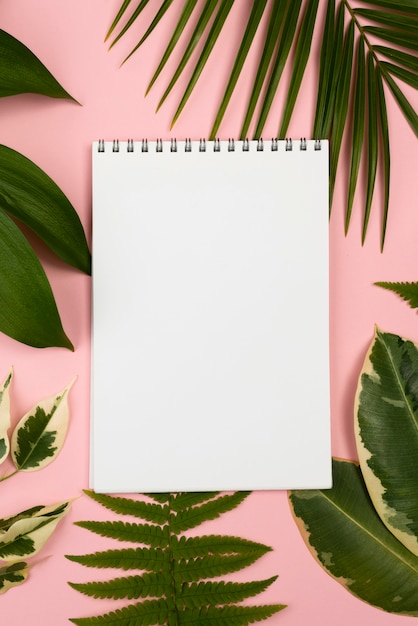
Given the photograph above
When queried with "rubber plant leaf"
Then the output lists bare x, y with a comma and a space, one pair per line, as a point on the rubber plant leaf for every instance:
386, 427
174, 584
22, 72
28, 312
30, 195
39, 436
5, 416
344, 533
27, 536
13, 575
407, 291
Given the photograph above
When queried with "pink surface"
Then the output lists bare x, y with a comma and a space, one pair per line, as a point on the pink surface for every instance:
68, 38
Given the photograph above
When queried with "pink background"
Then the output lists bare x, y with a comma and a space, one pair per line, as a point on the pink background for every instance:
68, 38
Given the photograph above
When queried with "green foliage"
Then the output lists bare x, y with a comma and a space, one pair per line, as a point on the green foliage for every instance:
173, 587
28, 312
407, 291
289, 26
12, 575
364, 531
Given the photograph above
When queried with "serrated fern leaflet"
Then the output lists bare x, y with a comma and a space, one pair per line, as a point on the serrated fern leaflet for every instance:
174, 586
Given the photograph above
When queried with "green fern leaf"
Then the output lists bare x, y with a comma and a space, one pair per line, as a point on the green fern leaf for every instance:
125, 506
195, 595
210, 566
407, 291
151, 535
192, 517
132, 587
182, 501
192, 547
147, 613
162, 498
150, 559
229, 615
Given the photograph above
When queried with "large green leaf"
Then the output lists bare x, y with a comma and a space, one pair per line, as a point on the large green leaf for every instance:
344, 533
386, 413
28, 311
22, 72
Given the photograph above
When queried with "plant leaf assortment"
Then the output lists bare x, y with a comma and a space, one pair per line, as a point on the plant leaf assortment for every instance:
36, 441
352, 67
28, 312
364, 531
174, 586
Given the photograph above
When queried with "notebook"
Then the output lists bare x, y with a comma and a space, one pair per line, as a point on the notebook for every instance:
210, 316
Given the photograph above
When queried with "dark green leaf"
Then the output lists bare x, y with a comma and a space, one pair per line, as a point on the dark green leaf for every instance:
195, 595
408, 77
386, 413
141, 6
402, 101
229, 615
410, 6
149, 559
384, 133
28, 312
182, 501
22, 72
154, 536
147, 613
395, 20
358, 128
372, 140
162, 498
252, 26
327, 71
125, 506
345, 534
160, 14
190, 518
118, 17
31, 196
405, 59
394, 36
303, 47
192, 547
213, 565
131, 587
407, 291
285, 43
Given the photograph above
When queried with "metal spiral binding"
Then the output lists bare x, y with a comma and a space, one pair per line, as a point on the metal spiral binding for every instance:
231, 145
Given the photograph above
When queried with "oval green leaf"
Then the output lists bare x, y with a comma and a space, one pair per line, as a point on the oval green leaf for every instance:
30, 195
28, 312
22, 72
5, 416
386, 424
40, 434
344, 533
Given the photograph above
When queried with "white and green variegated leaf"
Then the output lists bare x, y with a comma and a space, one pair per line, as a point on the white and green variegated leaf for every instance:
34, 511
27, 536
5, 416
344, 533
13, 575
386, 425
40, 434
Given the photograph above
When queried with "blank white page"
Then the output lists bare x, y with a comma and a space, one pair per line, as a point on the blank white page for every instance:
210, 317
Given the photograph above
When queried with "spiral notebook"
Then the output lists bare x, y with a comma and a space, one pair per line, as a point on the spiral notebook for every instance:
210, 316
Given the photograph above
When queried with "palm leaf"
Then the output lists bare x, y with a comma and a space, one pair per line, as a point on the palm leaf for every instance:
393, 36
372, 140
407, 60
409, 6
163, 9
408, 77
384, 133
407, 291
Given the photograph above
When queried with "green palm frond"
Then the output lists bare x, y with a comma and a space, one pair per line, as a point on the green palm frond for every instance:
349, 32
174, 585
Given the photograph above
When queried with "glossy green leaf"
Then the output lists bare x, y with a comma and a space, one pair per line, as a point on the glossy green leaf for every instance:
152, 585
408, 77
407, 291
393, 36
5, 416
159, 16
372, 140
28, 312
13, 575
344, 533
30, 195
326, 62
403, 58
394, 20
302, 50
358, 128
386, 414
254, 19
384, 134
39, 436
22, 72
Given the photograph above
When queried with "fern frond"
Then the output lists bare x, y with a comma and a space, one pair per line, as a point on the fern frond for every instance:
125, 506
145, 613
229, 615
153, 585
213, 565
211, 593
184, 500
407, 291
151, 535
150, 559
192, 517
162, 498
191, 547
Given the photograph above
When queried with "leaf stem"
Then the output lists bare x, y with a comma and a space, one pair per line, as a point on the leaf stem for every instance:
9, 475
173, 615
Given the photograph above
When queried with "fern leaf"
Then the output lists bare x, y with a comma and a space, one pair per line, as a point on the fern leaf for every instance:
213, 565
191, 547
229, 615
407, 291
125, 506
209, 593
162, 498
192, 517
147, 613
184, 500
151, 535
153, 585
150, 559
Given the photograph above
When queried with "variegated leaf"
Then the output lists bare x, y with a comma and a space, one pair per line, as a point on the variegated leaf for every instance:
13, 575
5, 416
27, 536
40, 434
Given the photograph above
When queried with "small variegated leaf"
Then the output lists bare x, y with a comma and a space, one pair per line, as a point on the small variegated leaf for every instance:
40, 434
13, 575
27, 536
5, 416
